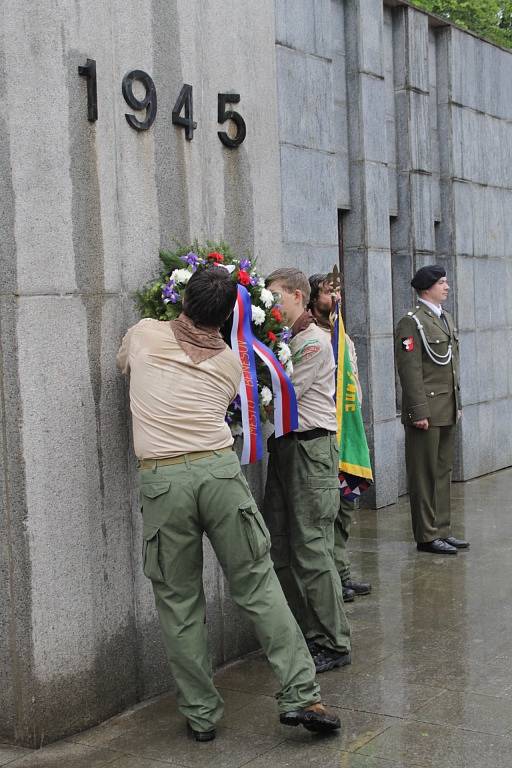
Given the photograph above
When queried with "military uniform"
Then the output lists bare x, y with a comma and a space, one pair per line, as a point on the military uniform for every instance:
427, 355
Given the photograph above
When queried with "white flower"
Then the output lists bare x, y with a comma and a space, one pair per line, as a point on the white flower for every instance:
236, 430
261, 282
258, 315
267, 298
266, 396
289, 367
284, 353
181, 276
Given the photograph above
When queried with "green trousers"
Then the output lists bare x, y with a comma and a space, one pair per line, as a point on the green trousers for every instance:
341, 533
429, 461
300, 506
180, 502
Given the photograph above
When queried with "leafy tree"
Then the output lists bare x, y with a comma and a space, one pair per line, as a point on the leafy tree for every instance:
489, 18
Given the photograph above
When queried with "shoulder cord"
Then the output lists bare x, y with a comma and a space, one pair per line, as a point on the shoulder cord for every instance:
434, 356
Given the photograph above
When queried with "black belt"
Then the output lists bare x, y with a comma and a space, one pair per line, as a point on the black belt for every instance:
310, 434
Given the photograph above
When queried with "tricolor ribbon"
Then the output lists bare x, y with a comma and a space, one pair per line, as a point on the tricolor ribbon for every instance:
244, 344
286, 417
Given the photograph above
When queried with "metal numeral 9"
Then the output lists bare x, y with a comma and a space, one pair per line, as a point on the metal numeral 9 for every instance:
148, 103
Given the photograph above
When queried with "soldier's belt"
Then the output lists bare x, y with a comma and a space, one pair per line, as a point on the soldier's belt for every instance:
181, 459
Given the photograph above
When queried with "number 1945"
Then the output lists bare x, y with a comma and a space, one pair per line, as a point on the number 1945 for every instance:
182, 112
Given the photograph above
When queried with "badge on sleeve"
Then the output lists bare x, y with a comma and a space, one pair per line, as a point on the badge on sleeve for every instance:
408, 343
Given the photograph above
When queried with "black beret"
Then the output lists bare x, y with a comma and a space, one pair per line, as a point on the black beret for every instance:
427, 276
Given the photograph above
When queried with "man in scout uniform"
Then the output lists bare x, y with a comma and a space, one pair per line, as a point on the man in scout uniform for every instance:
182, 379
321, 306
302, 490
427, 356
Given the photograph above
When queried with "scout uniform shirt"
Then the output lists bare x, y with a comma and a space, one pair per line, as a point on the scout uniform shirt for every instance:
429, 390
313, 379
177, 406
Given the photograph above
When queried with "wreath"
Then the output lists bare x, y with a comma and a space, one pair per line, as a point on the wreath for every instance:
162, 299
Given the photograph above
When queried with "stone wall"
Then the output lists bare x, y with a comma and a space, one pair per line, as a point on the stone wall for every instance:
374, 132
86, 207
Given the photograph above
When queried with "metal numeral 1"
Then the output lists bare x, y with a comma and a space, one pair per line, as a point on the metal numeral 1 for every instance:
89, 72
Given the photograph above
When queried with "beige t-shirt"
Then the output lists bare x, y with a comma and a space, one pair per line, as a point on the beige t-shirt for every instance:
177, 406
313, 379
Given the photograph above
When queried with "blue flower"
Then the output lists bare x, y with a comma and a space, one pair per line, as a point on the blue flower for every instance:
285, 335
169, 293
245, 264
192, 259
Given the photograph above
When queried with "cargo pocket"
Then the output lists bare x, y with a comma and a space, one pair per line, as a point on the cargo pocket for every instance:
322, 497
255, 529
317, 451
154, 501
151, 552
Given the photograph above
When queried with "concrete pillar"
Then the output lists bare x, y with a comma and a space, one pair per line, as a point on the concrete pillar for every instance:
367, 262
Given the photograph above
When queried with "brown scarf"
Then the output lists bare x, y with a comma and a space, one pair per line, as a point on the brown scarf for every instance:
303, 322
198, 342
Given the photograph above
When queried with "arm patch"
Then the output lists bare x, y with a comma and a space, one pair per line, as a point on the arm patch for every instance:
408, 343
308, 350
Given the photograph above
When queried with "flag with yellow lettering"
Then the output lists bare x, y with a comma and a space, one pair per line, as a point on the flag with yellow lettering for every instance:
355, 471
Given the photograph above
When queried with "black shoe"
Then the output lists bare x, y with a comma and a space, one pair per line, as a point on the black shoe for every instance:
438, 547
348, 594
357, 587
314, 718
457, 543
325, 659
201, 735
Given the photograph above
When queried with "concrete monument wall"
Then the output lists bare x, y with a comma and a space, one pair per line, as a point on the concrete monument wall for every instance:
373, 131
85, 208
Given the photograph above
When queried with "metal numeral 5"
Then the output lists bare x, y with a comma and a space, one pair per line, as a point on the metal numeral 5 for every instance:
229, 114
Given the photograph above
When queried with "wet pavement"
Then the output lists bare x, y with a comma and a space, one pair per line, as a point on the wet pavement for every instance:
430, 685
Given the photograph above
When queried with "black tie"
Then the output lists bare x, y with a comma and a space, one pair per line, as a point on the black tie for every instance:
445, 321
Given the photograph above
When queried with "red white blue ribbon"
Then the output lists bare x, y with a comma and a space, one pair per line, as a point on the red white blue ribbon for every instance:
244, 344
286, 417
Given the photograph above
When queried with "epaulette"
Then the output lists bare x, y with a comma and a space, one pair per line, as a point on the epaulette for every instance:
411, 314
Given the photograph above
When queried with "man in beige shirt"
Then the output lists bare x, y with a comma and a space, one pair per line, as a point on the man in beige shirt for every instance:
321, 306
182, 379
302, 490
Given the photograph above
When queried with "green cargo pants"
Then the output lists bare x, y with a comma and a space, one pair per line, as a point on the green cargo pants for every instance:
301, 503
210, 495
429, 462
341, 533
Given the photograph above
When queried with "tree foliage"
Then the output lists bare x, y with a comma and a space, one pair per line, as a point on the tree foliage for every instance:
489, 18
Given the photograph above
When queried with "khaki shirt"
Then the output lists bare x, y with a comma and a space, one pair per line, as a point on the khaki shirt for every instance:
429, 391
313, 379
177, 406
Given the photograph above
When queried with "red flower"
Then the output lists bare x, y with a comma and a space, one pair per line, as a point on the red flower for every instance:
243, 277
216, 257
276, 314
271, 336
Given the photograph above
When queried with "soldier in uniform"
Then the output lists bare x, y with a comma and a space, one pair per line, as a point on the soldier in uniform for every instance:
427, 355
